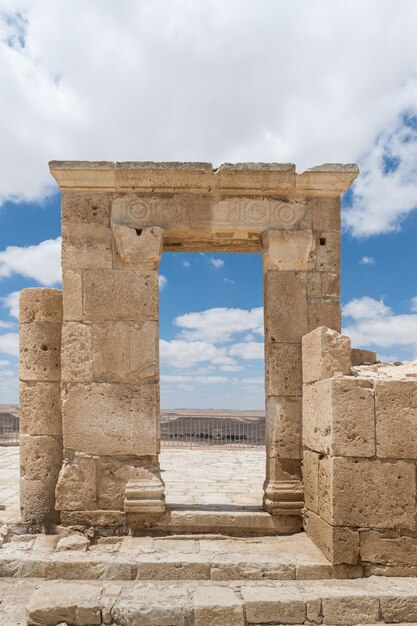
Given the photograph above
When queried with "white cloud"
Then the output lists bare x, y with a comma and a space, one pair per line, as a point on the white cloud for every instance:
11, 302
414, 304
231, 368
365, 308
162, 281
4, 363
248, 350
217, 263
259, 380
5, 324
218, 325
182, 354
346, 104
386, 191
186, 263
367, 260
9, 344
374, 324
205, 380
229, 281
41, 262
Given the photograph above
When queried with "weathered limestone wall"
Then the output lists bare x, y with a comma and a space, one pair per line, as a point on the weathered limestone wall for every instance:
40, 402
359, 460
301, 291
110, 363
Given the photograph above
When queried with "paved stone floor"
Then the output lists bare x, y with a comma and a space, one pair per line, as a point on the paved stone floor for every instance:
192, 477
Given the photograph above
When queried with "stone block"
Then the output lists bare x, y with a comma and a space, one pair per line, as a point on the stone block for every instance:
71, 543
340, 545
326, 215
339, 417
283, 369
141, 247
76, 489
77, 352
86, 246
37, 499
347, 609
323, 312
40, 352
80, 207
264, 605
126, 352
283, 426
396, 418
145, 605
127, 294
72, 295
397, 608
112, 478
362, 357
288, 250
40, 305
388, 547
311, 480
328, 252
313, 284
367, 493
40, 409
325, 353
217, 606
285, 306
330, 284
108, 519
77, 603
122, 419
40, 457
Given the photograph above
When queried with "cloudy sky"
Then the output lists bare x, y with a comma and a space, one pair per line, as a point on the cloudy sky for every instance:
303, 81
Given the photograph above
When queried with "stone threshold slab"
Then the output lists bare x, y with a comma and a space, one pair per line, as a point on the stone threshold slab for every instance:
352, 602
189, 519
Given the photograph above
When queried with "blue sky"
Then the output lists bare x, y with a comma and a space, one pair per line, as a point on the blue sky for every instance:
216, 82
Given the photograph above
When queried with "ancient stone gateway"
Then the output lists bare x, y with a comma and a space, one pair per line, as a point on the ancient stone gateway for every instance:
96, 343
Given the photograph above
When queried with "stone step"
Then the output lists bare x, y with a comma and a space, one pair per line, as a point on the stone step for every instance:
194, 519
373, 600
167, 558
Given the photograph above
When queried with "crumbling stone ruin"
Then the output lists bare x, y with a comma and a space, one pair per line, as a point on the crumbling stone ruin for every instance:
336, 542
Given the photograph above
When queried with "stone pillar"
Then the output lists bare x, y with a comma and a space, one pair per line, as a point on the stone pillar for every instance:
323, 276
359, 463
287, 255
40, 402
110, 365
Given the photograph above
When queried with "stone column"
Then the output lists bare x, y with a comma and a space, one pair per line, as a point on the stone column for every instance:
323, 277
40, 402
110, 365
287, 255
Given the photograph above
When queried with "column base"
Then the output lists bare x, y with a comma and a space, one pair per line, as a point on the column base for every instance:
145, 495
284, 497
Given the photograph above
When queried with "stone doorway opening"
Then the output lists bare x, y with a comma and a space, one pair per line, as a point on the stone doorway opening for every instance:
212, 381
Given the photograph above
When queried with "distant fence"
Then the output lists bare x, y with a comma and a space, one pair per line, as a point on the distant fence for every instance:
193, 431
184, 431
9, 429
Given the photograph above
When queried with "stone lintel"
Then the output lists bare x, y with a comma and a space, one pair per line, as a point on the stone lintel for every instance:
275, 179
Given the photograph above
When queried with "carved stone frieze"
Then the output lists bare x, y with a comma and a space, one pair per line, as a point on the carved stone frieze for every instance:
208, 218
